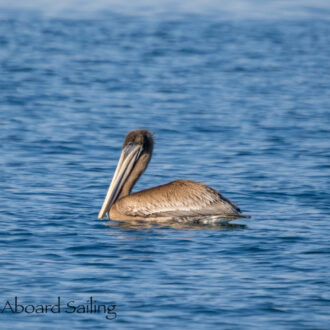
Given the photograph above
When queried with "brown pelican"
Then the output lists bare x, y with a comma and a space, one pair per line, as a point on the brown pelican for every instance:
180, 199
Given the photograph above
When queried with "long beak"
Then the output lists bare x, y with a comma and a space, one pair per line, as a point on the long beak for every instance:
127, 160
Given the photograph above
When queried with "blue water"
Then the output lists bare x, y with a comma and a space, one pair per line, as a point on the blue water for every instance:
236, 98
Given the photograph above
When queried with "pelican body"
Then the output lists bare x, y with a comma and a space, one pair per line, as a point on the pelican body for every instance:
180, 199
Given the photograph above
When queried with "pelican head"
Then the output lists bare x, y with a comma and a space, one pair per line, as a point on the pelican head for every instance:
135, 156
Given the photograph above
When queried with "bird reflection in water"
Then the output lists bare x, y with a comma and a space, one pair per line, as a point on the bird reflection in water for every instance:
191, 225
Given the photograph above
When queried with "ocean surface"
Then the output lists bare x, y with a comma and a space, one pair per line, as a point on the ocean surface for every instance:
237, 97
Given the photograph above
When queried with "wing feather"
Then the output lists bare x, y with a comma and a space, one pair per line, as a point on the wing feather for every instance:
177, 198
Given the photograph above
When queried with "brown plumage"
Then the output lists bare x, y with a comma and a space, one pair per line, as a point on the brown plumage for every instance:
180, 199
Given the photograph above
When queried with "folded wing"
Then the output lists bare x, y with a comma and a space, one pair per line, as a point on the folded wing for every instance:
181, 198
